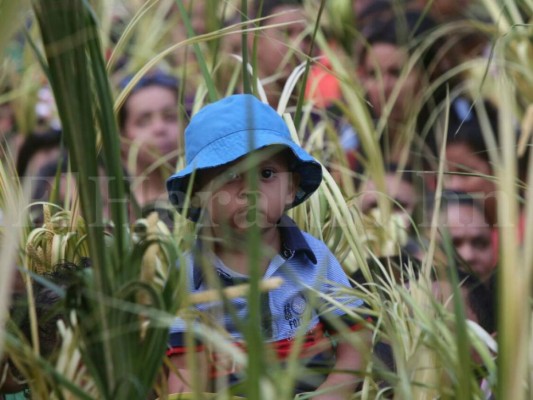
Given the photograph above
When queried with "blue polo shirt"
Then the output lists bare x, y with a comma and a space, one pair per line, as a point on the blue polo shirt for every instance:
306, 266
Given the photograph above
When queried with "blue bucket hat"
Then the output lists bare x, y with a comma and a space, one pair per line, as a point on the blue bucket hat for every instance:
231, 128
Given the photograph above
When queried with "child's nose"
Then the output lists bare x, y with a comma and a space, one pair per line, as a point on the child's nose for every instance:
248, 193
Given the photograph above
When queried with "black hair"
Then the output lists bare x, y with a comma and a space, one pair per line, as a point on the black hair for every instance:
375, 10
34, 143
456, 198
408, 29
405, 174
481, 300
156, 78
464, 127
401, 29
48, 171
263, 8
49, 292
452, 197
44, 183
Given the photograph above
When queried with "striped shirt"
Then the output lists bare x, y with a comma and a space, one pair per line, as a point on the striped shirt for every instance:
306, 266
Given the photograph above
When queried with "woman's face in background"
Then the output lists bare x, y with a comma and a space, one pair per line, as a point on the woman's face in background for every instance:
152, 124
282, 44
470, 173
381, 71
471, 236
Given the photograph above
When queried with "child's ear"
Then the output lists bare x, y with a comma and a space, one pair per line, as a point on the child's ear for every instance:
294, 184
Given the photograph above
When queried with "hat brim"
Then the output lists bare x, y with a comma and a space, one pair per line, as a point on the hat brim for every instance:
236, 145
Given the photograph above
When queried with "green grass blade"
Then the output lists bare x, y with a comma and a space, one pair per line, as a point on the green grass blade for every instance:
211, 89
301, 96
12, 14
246, 84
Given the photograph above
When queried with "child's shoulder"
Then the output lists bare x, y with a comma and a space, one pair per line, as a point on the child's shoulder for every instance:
317, 246
325, 259
291, 232
312, 240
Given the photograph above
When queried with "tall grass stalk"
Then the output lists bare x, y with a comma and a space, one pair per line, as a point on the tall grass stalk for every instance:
528, 250
246, 84
12, 221
213, 96
12, 16
154, 61
66, 32
514, 277
129, 30
122, 357
317, 21
515, 271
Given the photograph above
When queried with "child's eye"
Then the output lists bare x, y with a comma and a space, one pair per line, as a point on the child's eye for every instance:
267, 173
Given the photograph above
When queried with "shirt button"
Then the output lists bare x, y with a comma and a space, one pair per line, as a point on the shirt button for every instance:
286, 253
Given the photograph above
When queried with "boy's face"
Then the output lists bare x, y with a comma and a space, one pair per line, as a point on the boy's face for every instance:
229, 200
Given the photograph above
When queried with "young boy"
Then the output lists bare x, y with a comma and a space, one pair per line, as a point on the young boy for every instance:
220, 139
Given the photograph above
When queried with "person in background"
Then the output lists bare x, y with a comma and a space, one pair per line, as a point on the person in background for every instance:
478, 299
49, 308
479, 305
444, 10
401, 194
280, 48
463, 223
470, 167
56, 183
468, 164
10, 139
37, 150
399, 188
151, 133
7, 120
383, 62
200, 16
282, 44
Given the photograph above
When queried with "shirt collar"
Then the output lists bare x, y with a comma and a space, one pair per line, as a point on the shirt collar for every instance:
293, 240
292, 243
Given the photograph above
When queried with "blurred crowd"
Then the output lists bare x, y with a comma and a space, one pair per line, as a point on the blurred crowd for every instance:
392, 85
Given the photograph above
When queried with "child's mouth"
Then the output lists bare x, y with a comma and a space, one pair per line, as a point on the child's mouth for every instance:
248, 217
